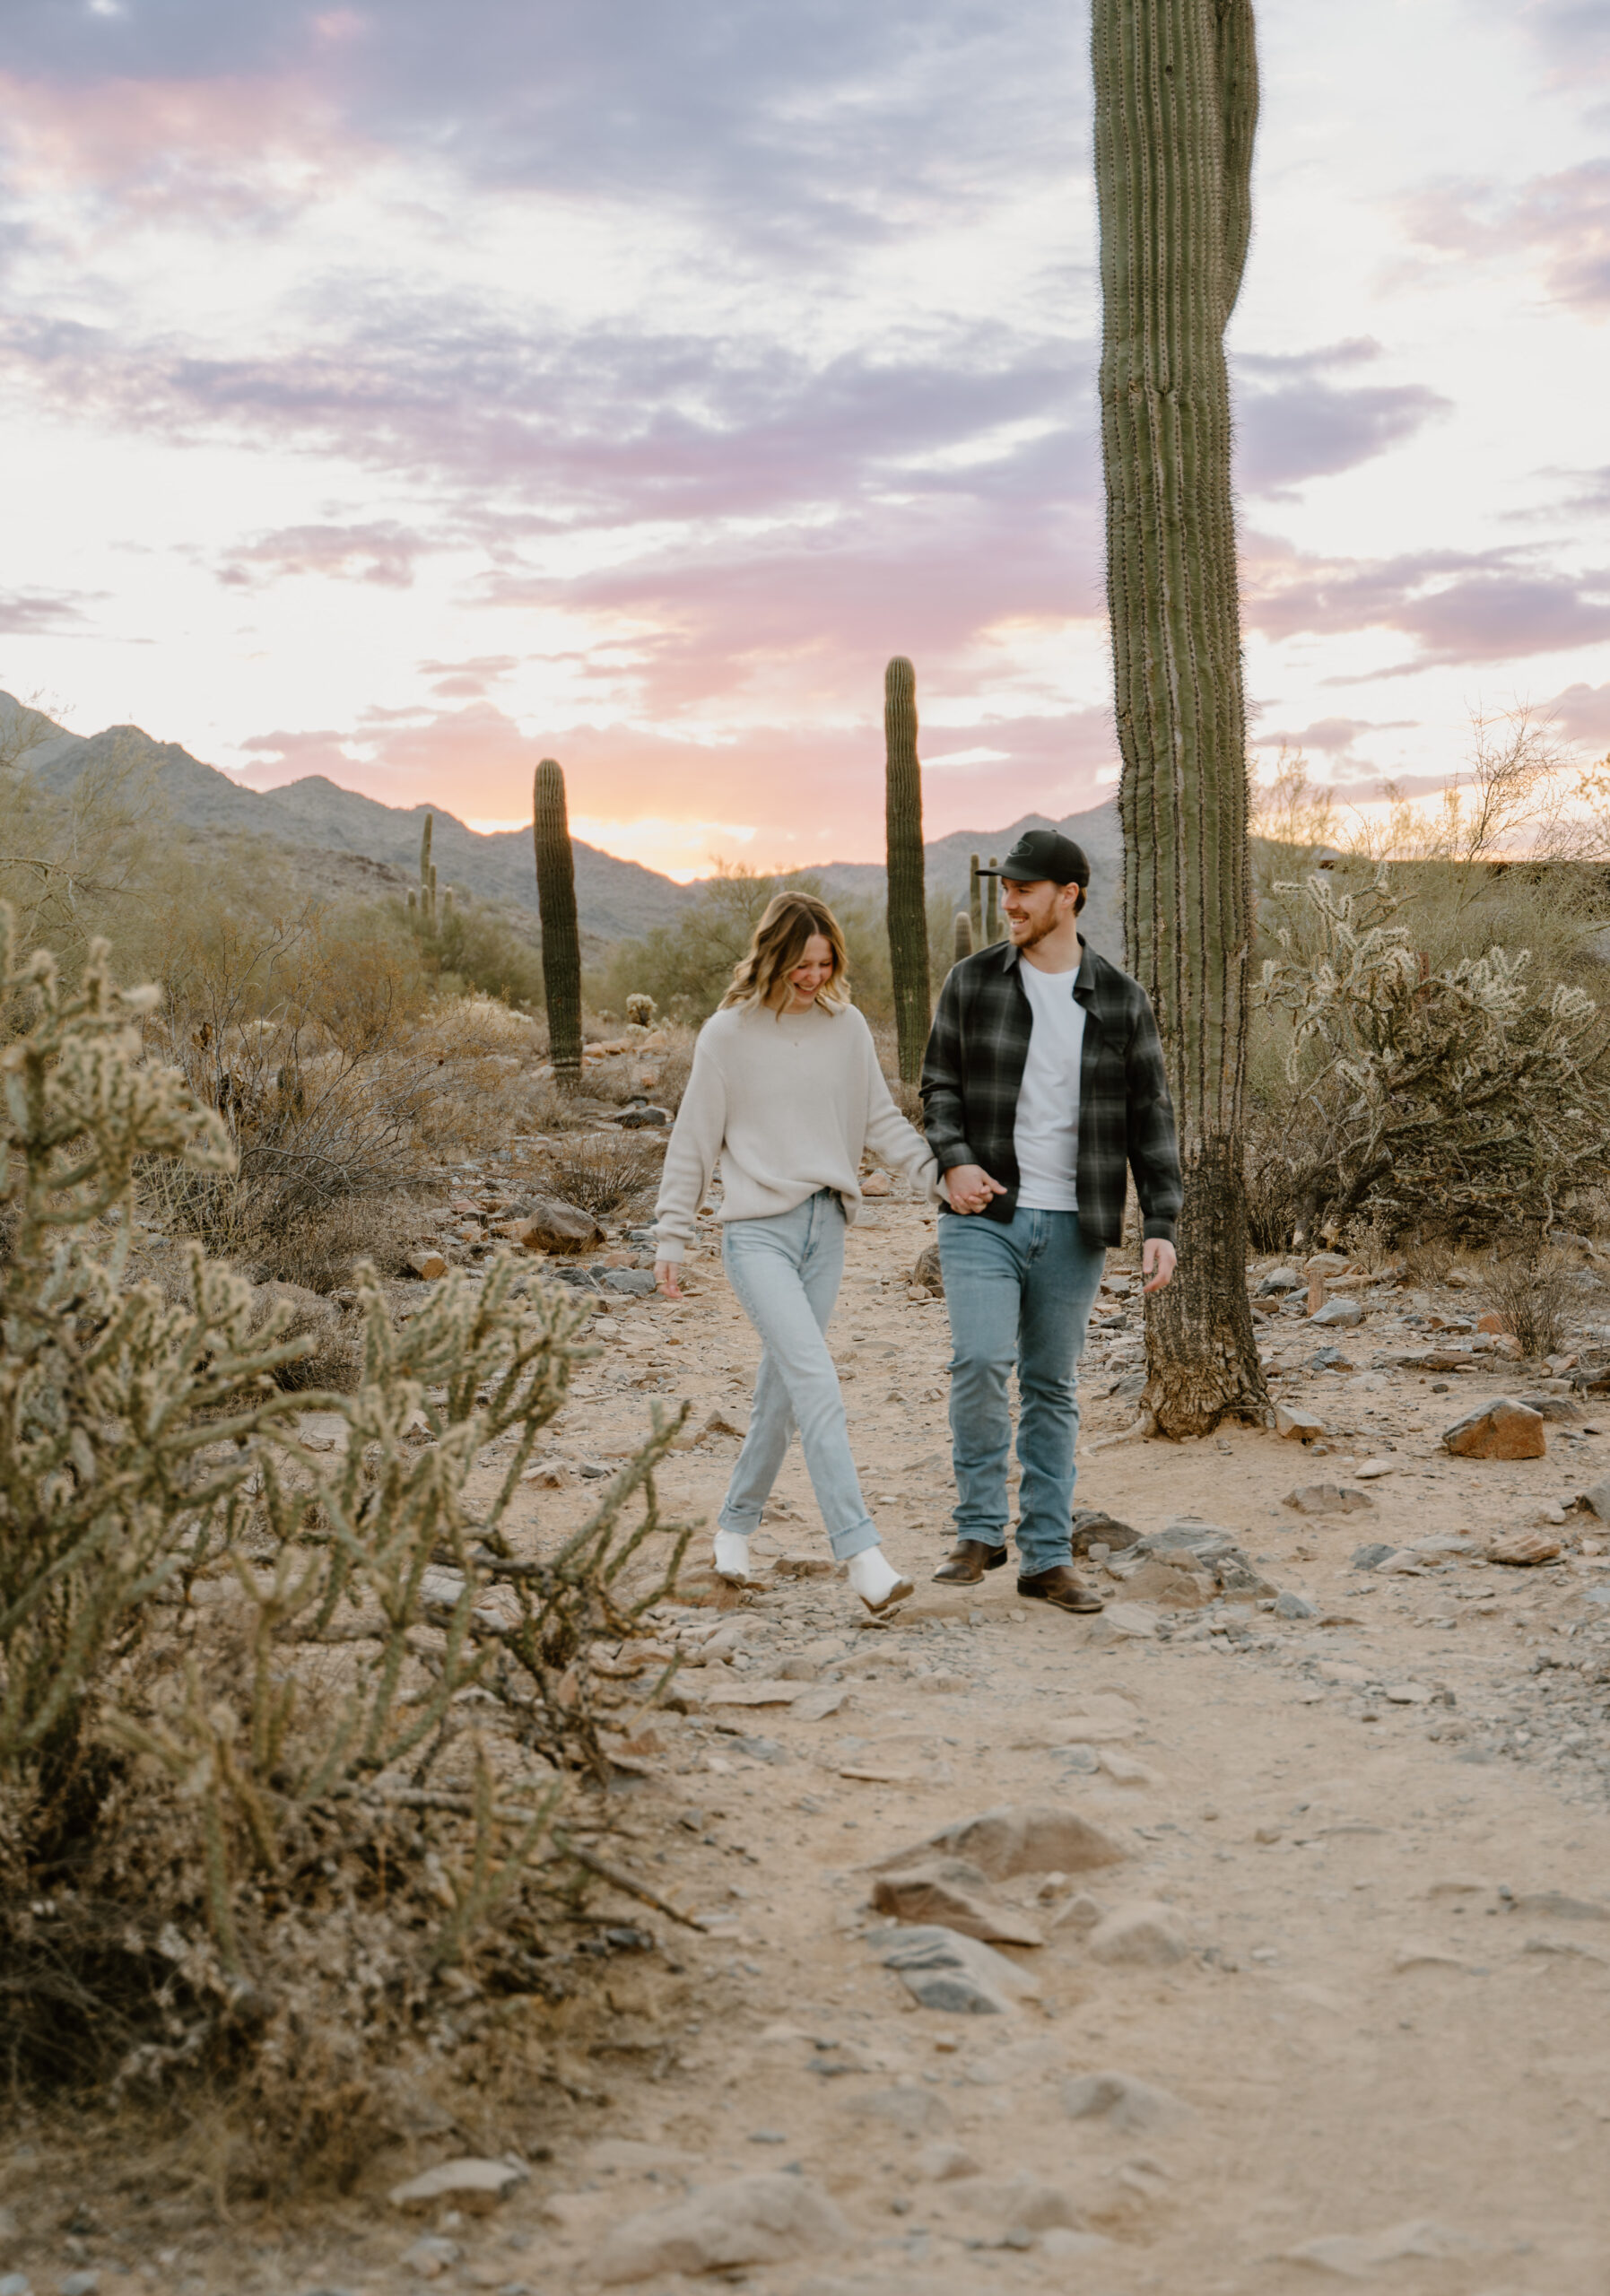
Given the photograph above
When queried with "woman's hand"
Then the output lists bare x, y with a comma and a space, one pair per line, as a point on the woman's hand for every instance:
665, 1279
970, 1187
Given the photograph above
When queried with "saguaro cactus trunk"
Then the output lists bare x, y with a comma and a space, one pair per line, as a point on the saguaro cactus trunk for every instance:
1176, 86
975, 902
992, 908
907, 909
960, 937
427, 874
556, 907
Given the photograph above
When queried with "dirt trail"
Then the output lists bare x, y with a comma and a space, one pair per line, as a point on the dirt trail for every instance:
1374, 1842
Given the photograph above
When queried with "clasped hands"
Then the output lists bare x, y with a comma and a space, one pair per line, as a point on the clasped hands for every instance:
969, 1189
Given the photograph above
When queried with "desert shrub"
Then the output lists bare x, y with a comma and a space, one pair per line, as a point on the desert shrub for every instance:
475, 951
1533, 1293
606, 1172
1460, 1101
325, 1250
247, 1817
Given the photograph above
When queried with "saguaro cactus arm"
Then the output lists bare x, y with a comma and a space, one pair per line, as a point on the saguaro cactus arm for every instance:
907, 904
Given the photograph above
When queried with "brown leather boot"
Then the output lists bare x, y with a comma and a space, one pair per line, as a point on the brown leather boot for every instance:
1062, 1588
967, 1563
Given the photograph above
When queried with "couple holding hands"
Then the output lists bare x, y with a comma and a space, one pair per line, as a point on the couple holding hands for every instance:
1043, 1080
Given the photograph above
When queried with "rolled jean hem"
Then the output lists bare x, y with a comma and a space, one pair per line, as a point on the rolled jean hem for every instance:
848, 1545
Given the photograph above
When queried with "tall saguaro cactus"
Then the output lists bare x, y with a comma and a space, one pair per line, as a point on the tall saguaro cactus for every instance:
907, 910
1176, 88
960, 937
427, 875
975, 900
556, 907
992, 908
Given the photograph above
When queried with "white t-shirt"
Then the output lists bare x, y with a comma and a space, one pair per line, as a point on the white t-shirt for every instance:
1046, 1132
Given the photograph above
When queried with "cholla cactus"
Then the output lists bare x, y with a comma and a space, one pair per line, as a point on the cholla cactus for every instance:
640, 1012
1464, 1100
144, 1444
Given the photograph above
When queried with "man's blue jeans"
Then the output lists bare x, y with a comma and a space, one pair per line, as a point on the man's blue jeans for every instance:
1018, 1290
786, 1271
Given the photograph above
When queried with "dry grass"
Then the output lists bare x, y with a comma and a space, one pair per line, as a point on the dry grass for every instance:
606, 1172
1535, 1296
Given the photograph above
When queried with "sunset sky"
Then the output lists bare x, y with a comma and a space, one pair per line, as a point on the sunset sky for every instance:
406, 392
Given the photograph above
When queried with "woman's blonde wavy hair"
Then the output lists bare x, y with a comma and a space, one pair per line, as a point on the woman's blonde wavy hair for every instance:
779, 944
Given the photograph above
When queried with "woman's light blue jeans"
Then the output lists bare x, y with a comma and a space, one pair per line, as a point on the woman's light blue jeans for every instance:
1018, 1290
786, 1271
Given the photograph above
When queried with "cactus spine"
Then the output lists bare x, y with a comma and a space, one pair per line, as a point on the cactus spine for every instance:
992, 910
906, 904
975, 900
427, 874
556, 907
1176, 88
962, 938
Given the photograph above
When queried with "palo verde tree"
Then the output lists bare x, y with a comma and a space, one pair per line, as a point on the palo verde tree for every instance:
556, 907
907, 915
1176, 108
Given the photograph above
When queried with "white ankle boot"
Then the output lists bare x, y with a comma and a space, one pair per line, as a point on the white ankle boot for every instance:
875, 1581
732, 1556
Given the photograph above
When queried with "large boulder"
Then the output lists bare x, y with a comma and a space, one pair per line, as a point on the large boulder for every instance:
553, 1225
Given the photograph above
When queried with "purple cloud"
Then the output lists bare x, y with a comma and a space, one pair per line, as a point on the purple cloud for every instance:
1331, 737
381, 553
1583, 712
1563, 219
38, 614
1292, 424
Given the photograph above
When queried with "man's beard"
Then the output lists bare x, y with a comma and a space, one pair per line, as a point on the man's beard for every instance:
1036, 933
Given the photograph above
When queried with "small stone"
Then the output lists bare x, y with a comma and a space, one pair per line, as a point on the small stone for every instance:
1492, 1322
1327, 1499
743, 2221
640, 1114
1524, 1549
1296, 1426
1143, 1935
1030, 2208
15, 2283
1501, 1430
927, 1277
1131, 1620
1371, 1470
1558, 1906
818, 1702
553, 1225
1406, 1693
1359, 2256
803, 1566
1094, 1526
430, 2257
1345, 1313
1080, 1913
637, 1281
1278, 1279
1124, 1770
726, 1692
1010, 1841
955, 1895
943, 2164
1125, 2105
1596, 1499
942, 1970
81, 2284
876, 1184
1061, 2240
428, 1266
475, 2186
1290, 1605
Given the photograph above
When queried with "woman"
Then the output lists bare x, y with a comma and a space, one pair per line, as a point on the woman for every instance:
787, 1091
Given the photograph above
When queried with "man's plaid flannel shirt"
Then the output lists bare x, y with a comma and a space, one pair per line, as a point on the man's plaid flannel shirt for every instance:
973, 1071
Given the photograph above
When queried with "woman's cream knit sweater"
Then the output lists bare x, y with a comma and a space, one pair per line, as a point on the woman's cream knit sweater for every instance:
788, 1101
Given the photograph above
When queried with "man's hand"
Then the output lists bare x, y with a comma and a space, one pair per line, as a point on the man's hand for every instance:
1157, 1262
665, 1279
970, 1187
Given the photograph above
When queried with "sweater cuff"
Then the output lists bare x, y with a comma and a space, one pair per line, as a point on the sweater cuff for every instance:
670, 1248
1162, 1230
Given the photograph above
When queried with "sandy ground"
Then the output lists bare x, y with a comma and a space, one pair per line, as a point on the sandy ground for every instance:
1376, 1840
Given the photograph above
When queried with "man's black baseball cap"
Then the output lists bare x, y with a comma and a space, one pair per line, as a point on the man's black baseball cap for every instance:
1042, 853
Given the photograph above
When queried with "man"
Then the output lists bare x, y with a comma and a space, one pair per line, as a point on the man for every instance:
1043, 1077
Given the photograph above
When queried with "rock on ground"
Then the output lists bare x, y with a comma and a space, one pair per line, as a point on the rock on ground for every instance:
1501, 1430
1143, 1935
1011, 1841
1124, 2104
747, 2220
